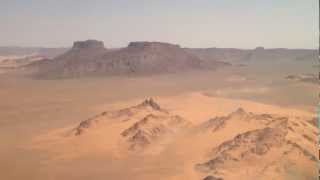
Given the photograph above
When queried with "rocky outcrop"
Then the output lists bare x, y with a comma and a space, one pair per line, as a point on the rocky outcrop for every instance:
257, 142
259, 54
259, 48
156, 125
150, 102
88, 44
155, 45
156, 122
86, 124
212, 124
252, 146
305, 78
90, 58
217, 123
153, 128
148, 106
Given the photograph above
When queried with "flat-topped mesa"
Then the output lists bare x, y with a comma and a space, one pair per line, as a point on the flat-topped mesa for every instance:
259, 48
88, 44
146, 44
150, 102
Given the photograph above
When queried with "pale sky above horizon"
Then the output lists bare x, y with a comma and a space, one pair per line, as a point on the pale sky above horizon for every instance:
190, 23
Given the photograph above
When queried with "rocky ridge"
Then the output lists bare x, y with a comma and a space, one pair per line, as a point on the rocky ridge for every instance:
122, 115
150, 123
90, 58
253, 146
152, 128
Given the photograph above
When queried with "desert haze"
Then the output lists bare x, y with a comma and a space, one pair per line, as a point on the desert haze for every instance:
160, 111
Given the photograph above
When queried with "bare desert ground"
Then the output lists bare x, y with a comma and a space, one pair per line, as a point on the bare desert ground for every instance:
159, 90
222, 124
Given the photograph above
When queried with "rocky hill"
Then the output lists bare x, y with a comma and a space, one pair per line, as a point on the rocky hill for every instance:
91, 58
278, 142
305, 78
268, 143
12, 58
15, 62
133, 113
152, 128
139, 126
74, 62
28, 51
233, 55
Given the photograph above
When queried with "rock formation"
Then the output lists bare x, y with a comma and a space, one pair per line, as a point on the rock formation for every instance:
88, 44
257, 148
152, 128
90, 58
156, 124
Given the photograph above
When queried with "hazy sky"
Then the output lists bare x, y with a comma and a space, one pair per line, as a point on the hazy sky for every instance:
190, 23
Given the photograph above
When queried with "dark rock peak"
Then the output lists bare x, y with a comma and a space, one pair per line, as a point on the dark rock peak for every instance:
150, 102
146, 44
239, 112
88, 44
83, 126
275, 134
214, 123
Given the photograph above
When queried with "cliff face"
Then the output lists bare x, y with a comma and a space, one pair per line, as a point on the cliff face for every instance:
88, 44
150, 58
146, 44
73, 63
91, 58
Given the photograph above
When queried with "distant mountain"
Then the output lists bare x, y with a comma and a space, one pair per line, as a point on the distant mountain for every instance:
12, 58
233, 55
27, 51
306, 78
91, 58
